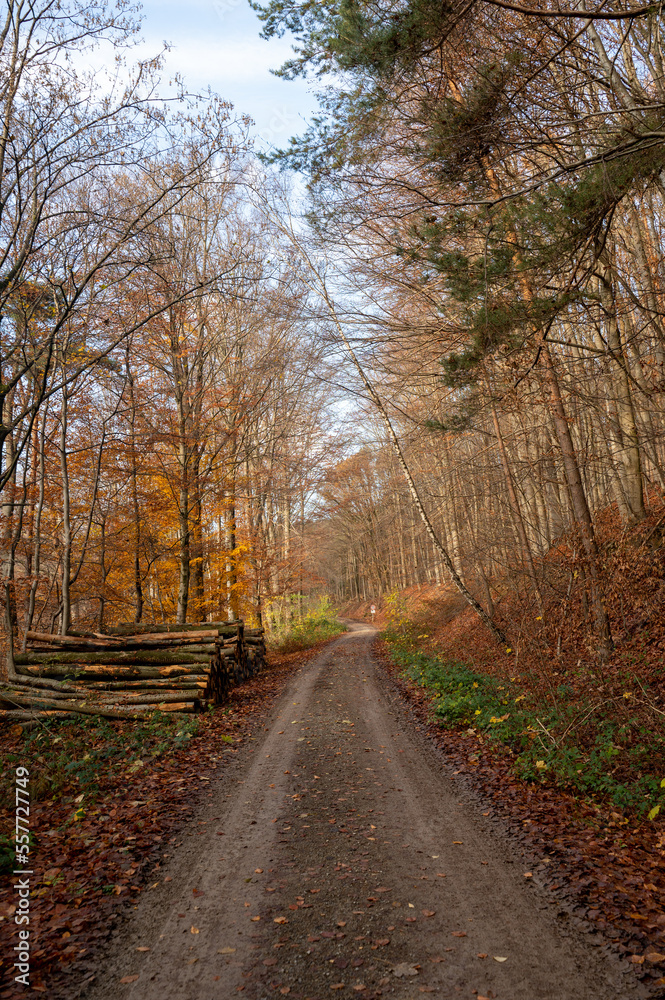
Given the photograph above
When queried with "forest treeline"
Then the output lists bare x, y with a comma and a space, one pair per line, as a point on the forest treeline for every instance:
479, 261
161, 424
491, 176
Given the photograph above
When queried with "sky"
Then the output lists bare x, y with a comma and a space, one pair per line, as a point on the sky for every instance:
216, 43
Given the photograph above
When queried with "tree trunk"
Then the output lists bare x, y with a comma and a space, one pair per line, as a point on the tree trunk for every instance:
579, 502
516, 512
133, 474
629, 452
65, 612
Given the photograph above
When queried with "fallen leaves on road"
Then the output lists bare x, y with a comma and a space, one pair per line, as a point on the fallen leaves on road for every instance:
108, 854
404, 969
600, 864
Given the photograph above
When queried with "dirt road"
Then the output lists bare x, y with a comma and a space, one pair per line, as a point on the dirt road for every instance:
337, 860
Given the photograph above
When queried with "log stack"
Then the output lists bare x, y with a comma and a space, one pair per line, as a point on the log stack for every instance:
130, 670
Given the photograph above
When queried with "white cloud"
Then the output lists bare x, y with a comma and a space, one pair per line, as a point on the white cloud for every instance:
219, 61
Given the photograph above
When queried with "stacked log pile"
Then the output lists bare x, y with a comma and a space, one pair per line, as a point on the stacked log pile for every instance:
129, 671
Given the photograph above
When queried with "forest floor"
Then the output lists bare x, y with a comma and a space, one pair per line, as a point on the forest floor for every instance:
108, 800
338, 853
359, 850
573, 759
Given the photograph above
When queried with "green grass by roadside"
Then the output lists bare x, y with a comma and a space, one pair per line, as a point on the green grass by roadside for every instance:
316, 625
602, 748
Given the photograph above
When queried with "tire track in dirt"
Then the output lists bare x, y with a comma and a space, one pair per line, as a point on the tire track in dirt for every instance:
339, 861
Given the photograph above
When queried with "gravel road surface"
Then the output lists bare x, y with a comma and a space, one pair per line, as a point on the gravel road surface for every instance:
336, 859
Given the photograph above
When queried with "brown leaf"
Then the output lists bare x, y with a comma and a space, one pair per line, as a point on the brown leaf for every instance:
129, 979
281, 920
428, 913
458, 933
194, 930
404, 969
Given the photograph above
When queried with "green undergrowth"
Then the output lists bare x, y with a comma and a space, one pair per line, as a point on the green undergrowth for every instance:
78, 757
605, 753
306, 629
